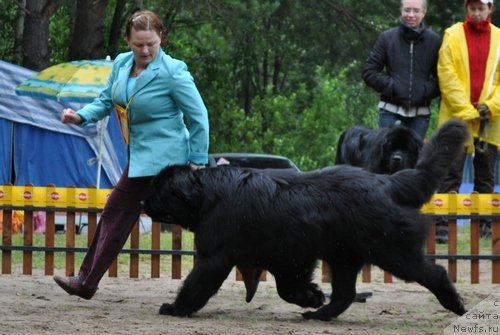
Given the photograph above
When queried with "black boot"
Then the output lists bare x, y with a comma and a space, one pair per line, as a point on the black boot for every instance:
441, 231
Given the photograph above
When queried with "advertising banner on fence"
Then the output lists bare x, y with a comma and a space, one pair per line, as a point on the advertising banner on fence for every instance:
52, 196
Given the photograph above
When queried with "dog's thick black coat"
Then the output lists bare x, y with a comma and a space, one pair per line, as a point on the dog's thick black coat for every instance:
284, 221
384, 150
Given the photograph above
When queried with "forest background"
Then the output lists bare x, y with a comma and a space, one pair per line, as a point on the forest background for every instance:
277, 76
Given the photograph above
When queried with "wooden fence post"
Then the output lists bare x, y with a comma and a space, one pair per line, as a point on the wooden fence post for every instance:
431, 240
474, 239
134, 256
495, 250
155, 245
7, 241
50, 230
325, 272
70, 231
452, 237
28, 242
28, 228
176, 245
7, 197
495, 238
367, 273
430, 208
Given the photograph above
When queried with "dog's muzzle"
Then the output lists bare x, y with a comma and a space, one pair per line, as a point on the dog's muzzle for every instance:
156, 216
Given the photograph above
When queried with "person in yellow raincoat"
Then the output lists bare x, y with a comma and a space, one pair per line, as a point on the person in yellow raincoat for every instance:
469, 79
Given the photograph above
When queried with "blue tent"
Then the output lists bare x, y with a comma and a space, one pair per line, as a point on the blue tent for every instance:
36, 148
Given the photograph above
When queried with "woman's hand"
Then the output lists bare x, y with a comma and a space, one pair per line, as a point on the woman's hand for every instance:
484, 112
195, 166
68, 115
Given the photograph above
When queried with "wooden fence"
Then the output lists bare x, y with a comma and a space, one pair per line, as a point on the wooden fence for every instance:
91, 201
49, 249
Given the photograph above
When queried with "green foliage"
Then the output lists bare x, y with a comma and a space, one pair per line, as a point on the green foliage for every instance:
277, 76
336, 105
303, 126
234, 131
59, 35
7, 18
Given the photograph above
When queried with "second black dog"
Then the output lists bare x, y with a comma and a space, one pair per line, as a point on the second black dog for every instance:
383, 150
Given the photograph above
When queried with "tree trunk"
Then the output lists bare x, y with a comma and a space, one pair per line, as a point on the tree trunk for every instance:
87, 40
138, 5
36, 53
17, 56
115, 30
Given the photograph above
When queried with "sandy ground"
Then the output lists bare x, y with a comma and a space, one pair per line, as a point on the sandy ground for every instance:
35, 305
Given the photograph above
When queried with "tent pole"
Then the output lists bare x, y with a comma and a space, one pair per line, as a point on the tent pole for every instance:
99, 155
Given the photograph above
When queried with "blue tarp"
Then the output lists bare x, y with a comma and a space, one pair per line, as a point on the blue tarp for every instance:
5, 150
35, 147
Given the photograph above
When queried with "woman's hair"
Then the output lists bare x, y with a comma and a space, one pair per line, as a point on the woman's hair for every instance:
144, 20
424, 4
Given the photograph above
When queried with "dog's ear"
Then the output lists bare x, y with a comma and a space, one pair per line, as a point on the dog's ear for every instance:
186, 185
178, 181
375, 157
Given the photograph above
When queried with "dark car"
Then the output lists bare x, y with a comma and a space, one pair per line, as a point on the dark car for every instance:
257, 161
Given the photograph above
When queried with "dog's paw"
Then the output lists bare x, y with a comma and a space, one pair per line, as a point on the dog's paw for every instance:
309, 296
173, 310
167, 309
460, 310
315, 296
316, 316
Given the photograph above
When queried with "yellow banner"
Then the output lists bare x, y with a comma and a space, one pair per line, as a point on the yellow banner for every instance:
439, 204
52, 196
72, 197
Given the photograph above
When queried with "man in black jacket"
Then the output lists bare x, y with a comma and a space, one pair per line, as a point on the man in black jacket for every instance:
402, 67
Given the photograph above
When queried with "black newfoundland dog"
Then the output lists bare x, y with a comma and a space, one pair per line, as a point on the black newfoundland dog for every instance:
284, 221
384, 150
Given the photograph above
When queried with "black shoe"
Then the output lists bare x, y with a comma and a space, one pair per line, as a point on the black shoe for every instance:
74, 286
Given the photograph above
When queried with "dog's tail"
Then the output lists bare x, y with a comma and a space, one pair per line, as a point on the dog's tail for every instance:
414, 187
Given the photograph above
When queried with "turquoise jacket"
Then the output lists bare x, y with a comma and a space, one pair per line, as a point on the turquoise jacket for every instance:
164, 97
